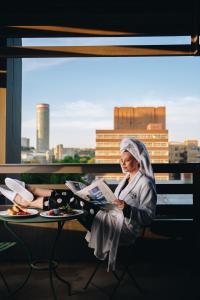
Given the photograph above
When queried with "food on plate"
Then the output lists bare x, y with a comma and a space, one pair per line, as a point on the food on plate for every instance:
17, 210
61, 211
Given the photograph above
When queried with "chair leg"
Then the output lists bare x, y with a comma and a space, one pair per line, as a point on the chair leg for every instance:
119, 278
5, 282
93, 274
134, 280
9, 295
115, 274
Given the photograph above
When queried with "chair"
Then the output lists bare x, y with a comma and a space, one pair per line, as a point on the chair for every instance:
3, 247
124, 257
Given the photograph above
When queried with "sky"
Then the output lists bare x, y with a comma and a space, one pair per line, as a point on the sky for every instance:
82, 92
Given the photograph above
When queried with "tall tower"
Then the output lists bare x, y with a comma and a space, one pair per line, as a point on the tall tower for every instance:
42, 127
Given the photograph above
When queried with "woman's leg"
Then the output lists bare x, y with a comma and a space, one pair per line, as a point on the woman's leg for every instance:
44, 198
39, 195
36, 191
37, 203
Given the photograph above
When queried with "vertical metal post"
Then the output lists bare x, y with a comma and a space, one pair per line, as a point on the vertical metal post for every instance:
10, 105
13, 106
3, 82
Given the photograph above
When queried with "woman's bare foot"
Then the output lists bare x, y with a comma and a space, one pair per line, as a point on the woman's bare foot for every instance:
37, 203
21, 201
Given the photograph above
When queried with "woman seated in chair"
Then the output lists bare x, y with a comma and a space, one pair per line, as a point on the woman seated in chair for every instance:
134, 205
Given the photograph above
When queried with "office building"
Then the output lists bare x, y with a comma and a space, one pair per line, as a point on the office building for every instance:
184, 152
42, 127
143, 123
139, 117
60, 152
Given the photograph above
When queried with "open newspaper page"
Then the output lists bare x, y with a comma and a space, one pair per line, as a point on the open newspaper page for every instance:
75, 186
98, 192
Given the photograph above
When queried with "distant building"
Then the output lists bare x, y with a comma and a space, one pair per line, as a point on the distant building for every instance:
42, 127
86, 152
25, 142
138, 118
40, 158
60, 152
49, 156
31, 156
27, 156
144, 123
184, 152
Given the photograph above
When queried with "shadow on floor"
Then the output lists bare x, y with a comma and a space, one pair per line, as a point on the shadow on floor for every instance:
159, 281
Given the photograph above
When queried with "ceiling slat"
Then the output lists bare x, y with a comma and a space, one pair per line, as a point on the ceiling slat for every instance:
97, 51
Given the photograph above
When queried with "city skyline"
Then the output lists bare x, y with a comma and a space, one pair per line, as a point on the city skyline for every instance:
82, 93
114, 109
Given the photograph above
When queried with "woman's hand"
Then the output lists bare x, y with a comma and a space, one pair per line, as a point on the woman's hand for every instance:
119, 203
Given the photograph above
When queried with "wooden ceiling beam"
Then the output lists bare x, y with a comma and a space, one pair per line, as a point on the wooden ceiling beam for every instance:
99, 24
97, 51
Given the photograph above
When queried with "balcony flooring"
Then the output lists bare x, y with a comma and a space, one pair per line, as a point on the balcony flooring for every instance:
162, 280
167, 269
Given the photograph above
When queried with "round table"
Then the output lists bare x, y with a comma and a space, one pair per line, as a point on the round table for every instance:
51, 263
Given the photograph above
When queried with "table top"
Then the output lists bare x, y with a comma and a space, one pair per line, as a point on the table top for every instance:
37, 218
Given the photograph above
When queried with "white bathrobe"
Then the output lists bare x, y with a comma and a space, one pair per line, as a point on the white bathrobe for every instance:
111, 228
140, 195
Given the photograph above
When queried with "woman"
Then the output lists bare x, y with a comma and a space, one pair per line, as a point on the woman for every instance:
134, 205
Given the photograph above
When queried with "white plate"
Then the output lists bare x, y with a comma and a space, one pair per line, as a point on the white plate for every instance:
32, 212
76, 213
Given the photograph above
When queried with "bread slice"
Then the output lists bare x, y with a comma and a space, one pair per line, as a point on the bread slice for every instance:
11, 212
20, 208
16, 209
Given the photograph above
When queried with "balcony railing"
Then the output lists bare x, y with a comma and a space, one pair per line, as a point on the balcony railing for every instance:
184, 211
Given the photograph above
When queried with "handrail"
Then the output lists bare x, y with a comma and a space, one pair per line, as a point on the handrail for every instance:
193, 188
91, 168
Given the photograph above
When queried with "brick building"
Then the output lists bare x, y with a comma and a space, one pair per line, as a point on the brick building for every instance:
147, 124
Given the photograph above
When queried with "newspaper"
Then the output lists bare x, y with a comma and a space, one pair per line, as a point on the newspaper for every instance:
98, 192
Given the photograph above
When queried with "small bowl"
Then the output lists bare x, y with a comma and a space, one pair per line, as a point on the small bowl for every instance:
56, 211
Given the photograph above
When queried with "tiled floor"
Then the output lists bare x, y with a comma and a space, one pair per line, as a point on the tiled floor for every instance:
158, 280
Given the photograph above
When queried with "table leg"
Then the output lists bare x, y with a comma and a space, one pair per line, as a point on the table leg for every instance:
33, 265
52, 270
27, 251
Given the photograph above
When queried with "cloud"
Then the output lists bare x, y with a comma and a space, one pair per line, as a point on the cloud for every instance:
35, 64
82, 115
83, 125
81, 109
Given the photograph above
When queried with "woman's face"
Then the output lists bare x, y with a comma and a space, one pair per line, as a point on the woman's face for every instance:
129, 163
